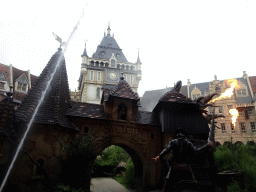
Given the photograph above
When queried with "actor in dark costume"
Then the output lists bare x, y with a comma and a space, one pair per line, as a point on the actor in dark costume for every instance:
180, 147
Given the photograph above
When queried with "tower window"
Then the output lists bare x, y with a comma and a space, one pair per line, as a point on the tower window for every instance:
86, 129
113, 63
242, 125
122, 112
92, 77
250, 111
253, 128
223, 128
98, 78
22, 87
232, 128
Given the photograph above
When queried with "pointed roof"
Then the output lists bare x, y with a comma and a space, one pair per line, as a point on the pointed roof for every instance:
107, 47
138, 59
122, 90
85, 52
57, 98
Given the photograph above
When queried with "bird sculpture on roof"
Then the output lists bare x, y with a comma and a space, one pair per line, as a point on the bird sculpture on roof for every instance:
177, 87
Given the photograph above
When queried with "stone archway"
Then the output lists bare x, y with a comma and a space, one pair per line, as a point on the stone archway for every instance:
138, 159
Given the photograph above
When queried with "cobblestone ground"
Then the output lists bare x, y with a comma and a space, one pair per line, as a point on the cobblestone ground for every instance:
108, 185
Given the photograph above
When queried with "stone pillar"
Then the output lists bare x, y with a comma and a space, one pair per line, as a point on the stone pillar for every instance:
11, 77
188, 85
29, 80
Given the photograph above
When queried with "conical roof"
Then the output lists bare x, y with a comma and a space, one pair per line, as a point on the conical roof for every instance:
57, 98
85, 52
107, 47
138, 59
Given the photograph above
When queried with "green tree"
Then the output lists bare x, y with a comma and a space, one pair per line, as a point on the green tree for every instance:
111, 156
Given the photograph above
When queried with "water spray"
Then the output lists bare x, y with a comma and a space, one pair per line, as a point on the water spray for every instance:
61, 57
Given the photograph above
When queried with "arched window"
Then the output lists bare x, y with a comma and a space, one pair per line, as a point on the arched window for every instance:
122, 112
92, 63
39, 170
127, 67
113, 63
98, 93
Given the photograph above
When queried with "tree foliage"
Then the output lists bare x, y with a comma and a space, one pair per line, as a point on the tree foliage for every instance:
111, 156
241, 157
75, 166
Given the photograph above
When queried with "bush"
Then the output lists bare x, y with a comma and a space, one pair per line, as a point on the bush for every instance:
128, 179
241, 157
129, 174
75, 167
108, 160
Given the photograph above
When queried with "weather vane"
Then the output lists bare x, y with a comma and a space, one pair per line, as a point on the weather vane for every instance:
59, 39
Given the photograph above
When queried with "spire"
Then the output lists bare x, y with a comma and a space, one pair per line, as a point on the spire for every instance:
85, 52
138, 59
109, 28
56, 100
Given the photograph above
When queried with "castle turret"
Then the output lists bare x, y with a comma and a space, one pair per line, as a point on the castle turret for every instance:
109, 30
84, 56
138, 63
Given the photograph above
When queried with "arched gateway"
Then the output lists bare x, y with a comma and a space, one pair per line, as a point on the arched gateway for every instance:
117, 121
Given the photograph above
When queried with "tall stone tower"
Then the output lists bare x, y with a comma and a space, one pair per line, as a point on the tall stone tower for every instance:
104, 68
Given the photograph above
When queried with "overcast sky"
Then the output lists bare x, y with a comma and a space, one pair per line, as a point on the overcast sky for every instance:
178, 40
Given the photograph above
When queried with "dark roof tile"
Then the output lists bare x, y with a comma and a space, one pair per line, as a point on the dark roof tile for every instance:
107, 47
57, 98
124, 90
88, 110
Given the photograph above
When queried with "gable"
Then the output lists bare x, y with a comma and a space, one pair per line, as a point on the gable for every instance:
3, 77
22, 79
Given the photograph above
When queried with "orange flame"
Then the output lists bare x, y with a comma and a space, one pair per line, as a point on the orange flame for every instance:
234, 114
232, 83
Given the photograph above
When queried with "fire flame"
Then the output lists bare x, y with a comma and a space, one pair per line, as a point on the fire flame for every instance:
233, 83
234, 114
